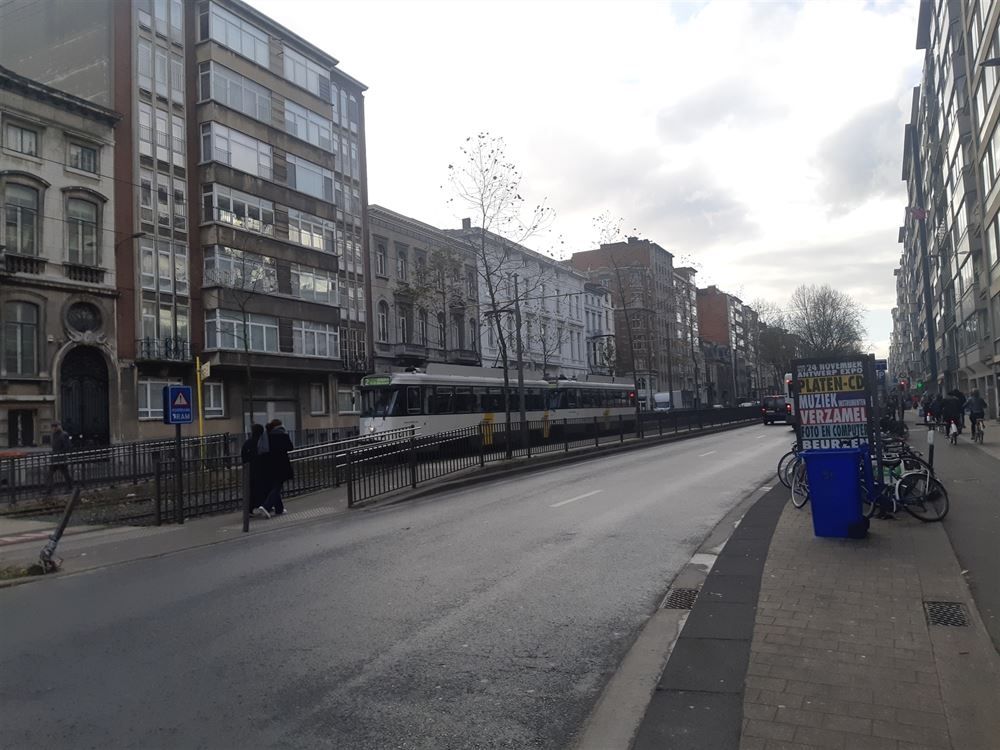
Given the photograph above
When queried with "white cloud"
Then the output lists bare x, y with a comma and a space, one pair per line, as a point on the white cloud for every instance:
723, 130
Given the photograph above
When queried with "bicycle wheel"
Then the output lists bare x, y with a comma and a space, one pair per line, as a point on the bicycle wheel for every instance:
915, 463
800, 484
783, 465
923, 496
869, 504
790, 468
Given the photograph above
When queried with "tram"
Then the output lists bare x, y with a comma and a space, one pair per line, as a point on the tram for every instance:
436, 403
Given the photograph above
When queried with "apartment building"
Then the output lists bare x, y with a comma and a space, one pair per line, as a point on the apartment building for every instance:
691, 359
241, 163
727, 323
640, 275
599, 328
58, 359
947, 318
425, 294
548, 296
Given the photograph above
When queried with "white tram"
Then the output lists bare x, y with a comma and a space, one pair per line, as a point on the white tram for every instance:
439, 403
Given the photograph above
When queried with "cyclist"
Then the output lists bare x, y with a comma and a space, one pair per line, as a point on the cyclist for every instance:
976, 406
951, 411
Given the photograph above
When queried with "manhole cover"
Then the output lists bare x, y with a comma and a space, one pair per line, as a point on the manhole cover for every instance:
680, 599
952, 614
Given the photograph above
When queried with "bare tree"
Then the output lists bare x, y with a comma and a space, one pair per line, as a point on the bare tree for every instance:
605, 356
609, 231
827, 322
438, 286
243, 276
486, 183
549, 340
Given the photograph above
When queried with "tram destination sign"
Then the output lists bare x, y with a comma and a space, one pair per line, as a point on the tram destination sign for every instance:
833, 401
376, 380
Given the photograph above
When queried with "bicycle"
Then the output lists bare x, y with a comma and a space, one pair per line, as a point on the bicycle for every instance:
978, 430
784, 463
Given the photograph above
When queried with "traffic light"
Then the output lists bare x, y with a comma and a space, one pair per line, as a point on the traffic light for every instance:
903, 384
920, 385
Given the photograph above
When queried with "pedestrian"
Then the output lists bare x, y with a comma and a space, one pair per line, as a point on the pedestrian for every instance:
258, 484
936, 407
279, 466
60, 445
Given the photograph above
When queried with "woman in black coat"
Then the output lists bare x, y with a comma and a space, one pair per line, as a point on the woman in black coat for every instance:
279, 465
251, 454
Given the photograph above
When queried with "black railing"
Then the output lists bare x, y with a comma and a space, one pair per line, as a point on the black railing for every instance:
27, 477
165, 349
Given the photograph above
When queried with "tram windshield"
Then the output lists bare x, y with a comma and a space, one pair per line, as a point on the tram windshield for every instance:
379, 402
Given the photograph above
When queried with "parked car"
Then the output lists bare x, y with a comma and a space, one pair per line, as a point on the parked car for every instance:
776, 409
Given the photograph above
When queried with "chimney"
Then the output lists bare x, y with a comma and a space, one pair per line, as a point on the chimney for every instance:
466, 223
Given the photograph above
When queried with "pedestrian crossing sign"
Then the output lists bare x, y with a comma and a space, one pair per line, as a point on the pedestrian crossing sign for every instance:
177, 400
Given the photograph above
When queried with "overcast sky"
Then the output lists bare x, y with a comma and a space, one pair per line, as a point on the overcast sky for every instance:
761, 142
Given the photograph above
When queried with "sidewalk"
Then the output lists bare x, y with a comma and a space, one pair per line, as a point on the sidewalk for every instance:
835, 648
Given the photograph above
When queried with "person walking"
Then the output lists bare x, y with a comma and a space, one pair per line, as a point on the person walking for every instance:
60, 445
258, 485
279, 466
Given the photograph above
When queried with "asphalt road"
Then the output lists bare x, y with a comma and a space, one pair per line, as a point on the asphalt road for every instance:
489, 617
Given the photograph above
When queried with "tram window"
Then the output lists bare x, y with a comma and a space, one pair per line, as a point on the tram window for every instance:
492, 400
556, 399
380, 402
413, 405
572, 398
533, 399
464, 401
441, 401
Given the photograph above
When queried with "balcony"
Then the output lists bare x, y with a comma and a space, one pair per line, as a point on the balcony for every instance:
86, 274
24, 264
410, 350
163, 350
463, 356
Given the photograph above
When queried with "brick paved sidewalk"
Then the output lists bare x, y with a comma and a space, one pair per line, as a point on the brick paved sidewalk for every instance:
842, 655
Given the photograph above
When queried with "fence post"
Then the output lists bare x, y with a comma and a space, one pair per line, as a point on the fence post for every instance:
565, 436
350, 481
699, 419
11, 482
597, 434
158, 504
482, 446
659, 423
246, 498
621, 428
526, 425
413, 462
135, 463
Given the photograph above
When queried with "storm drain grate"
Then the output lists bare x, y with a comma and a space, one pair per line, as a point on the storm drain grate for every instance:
680, 599
952, 614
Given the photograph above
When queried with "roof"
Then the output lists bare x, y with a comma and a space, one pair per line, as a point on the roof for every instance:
11, 81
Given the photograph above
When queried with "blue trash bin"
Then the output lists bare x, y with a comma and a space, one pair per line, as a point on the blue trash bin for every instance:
834, 491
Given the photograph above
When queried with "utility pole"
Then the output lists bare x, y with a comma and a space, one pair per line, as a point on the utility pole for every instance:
520, 363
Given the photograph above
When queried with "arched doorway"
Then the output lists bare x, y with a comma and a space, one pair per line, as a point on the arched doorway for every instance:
83, 381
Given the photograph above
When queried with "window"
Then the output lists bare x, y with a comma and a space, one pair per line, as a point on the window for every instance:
402, 330
20, 355
473, 329
146, 196
348, 400
214, 402
422, 327
83, 158
224, 330
470, 282
176, 79
180, 205
144, 64
402, 265
150, 394
305, 73
315, 339
234, 91
19, 139
383, 322
310, 127
81, 232
311, 231
232, 31
380, 259
239, 209
21, 220
240, 151
227, 266
317, 399
310, 178
314, 285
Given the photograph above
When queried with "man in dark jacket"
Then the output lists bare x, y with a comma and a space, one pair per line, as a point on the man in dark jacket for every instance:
259, 479
279, 466
60, 444
951, 410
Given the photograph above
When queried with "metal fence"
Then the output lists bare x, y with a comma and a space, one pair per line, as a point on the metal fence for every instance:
379, 469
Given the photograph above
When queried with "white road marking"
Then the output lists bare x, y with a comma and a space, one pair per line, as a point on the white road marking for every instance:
574, 499
702, 455
762, 436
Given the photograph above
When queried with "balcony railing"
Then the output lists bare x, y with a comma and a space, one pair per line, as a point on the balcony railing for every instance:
86, 274
463, 356
24, 264
410, 349
166, 349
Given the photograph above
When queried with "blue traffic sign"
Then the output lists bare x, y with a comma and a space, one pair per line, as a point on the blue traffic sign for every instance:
881, 365
177, 404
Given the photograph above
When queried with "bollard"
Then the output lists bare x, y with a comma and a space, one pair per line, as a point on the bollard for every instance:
45, 560
930, 447
247, 499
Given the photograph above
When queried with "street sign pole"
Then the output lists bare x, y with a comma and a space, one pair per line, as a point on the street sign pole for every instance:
178, 410
178, 468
